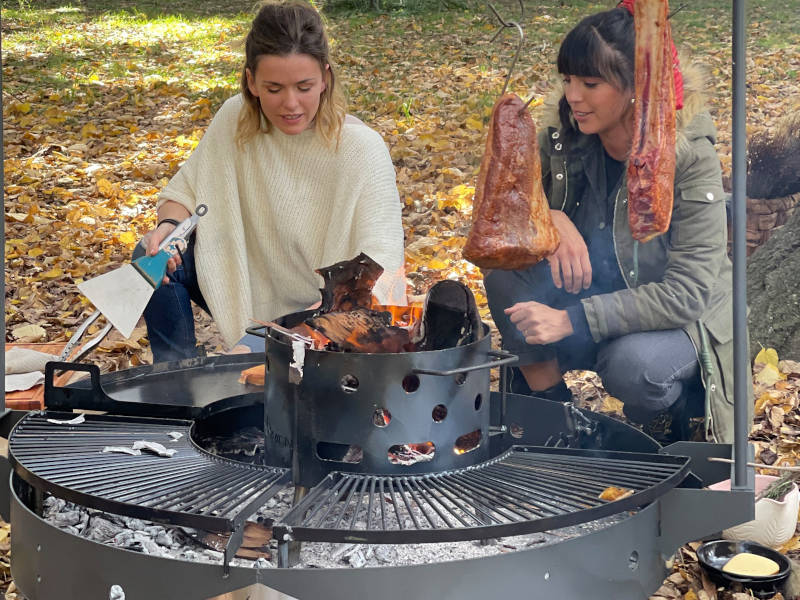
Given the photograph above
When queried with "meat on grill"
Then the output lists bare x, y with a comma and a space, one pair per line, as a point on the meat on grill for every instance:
651, 166
511, 224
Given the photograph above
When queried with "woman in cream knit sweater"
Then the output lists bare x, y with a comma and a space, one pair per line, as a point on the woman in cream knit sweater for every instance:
291, 185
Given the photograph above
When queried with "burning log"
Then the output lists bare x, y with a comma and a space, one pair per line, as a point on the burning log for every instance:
348, 284
362, 330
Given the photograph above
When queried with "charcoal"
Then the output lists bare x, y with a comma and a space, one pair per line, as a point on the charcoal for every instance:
385, 554
135, 524
101, 530
357, 559
54, 505
150, 547
164, 538
213, 555
67, 518
124, 539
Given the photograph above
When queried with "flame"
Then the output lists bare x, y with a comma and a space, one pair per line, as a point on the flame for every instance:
391, 287
402, 316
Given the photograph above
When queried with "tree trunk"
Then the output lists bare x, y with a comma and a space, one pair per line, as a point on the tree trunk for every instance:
773, 292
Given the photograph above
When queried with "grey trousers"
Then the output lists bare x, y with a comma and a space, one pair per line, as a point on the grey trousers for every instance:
647, 371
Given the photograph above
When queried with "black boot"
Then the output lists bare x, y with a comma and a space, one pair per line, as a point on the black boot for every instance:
517, 384
558, 393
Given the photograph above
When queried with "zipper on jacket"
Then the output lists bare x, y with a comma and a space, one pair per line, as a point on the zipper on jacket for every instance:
614, 239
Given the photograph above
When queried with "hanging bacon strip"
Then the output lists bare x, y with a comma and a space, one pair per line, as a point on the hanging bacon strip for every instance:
511, 224
651, 166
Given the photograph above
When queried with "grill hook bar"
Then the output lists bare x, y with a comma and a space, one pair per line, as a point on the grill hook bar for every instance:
506, 24
501, 358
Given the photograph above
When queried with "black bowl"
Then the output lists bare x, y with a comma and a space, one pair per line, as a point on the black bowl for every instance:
713, 556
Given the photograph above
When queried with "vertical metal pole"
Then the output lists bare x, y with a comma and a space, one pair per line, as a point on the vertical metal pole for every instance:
3, 236
739, 168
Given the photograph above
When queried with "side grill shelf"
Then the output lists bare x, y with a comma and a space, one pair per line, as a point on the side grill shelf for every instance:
527, 489
191, 488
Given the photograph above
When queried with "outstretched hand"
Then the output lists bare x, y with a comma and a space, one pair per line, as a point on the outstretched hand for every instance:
570, 263
539, 323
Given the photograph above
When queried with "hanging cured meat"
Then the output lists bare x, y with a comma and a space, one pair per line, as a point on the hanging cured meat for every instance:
511, 224
651, 166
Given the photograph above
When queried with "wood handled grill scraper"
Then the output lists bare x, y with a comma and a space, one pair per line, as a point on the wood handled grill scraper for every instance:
121, 295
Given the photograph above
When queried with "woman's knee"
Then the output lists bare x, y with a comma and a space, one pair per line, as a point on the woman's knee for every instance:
623, 371
646, 370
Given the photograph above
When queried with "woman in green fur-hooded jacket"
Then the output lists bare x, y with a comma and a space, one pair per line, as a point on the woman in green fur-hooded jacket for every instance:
653, 319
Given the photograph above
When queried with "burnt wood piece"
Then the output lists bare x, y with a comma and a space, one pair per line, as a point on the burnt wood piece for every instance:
362, 330
348, 284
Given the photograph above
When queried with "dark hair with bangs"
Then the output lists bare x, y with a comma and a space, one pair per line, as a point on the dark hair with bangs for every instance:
601, 45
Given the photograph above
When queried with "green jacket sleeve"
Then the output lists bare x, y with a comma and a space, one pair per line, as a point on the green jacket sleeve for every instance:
694, 251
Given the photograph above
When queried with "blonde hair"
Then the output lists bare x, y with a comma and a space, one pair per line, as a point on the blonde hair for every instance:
281, 29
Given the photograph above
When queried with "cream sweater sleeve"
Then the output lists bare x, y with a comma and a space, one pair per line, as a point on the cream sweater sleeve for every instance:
377, 228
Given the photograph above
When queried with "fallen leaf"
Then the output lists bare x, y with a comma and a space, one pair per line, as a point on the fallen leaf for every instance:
29, 331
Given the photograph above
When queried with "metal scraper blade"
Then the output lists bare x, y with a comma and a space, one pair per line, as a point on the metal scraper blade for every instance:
121, 295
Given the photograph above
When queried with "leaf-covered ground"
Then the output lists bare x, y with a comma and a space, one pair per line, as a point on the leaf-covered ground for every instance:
103, 101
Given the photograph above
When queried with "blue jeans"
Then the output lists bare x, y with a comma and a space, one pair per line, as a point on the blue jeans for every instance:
168, 316
647, 371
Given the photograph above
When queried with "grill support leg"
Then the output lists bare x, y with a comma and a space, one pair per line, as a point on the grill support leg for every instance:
293, 551
283, 555
231, 547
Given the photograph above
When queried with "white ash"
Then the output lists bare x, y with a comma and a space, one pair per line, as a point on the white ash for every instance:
130, 533
325, 556
181, 543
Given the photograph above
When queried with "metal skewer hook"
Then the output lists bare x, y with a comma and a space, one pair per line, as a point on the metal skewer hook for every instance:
505, 25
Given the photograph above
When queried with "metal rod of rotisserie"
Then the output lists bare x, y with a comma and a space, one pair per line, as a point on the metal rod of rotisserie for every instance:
505, 25
739, 175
